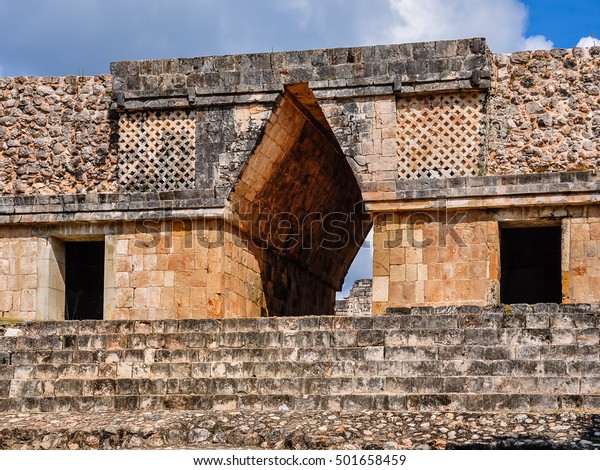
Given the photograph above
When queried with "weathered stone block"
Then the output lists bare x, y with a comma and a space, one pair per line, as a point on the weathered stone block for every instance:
422, 368
591, 402
557, 385
370, 337
350, 354
537, 320
4, 388
536, 336
68, 387
396, 338
527, 368
481, 336
514, 319
8, 344
315, 355
554, 368
344, 338
374, 353
275, 402
588, 336
133, 356
563, 337
411, 353
528, 352
127, 403
449, 336
357, 402
570, 402
400, 385
420, 338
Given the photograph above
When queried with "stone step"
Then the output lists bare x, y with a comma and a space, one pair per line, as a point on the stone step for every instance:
320, 340
351, 402
493, 354
508, 373
540, 317
358, 367
223, 386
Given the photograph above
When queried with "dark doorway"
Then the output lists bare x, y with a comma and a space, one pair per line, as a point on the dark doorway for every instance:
530, 265
84, 280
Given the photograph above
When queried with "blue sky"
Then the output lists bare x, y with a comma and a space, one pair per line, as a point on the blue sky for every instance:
563, 22
61, 37
64, 37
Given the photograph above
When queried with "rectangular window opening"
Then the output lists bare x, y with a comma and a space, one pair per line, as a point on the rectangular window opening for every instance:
84, 280
530, 263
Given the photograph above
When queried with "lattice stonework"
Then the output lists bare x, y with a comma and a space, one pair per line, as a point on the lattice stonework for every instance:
439, 136
157, 150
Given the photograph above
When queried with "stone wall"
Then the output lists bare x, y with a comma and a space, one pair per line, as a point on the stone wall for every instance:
18, 273
439, 258
56, 135
174, 270
544, 112
515, 358
581, 281
350, 90
157, 269
459, 63
540, 115
367, 131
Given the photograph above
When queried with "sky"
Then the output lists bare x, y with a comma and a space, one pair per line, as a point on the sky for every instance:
62, 37
82, 37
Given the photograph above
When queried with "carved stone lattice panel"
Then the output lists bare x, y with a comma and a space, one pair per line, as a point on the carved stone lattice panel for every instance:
157, 151
440, 136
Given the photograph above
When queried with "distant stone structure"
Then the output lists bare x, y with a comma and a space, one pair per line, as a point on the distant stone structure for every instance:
358, 301
243, 186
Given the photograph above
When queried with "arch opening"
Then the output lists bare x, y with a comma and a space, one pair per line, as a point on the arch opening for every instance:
298, 216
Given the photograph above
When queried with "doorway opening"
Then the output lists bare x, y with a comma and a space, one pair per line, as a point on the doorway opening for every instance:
84, 280
530, 265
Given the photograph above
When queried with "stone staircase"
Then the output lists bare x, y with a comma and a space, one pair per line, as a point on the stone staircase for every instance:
513, 358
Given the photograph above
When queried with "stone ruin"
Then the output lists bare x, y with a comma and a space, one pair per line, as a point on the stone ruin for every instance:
243, 186
358, 301
196, 202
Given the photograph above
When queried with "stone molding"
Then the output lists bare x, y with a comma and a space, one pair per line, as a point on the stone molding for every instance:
357, 71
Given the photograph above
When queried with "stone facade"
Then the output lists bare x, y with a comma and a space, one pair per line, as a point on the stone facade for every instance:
450, 253
543, 112
243, 186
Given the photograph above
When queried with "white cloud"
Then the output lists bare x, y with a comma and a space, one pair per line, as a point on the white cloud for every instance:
535, 43
502, 22
588, 41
